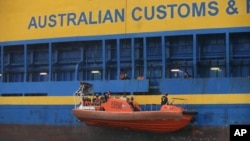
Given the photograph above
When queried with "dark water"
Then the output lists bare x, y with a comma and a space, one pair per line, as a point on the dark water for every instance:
86, 133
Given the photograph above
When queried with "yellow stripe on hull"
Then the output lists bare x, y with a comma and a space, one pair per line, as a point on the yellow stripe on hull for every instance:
141, 99
37, 100
199, 99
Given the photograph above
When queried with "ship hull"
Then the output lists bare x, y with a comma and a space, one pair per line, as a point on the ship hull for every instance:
151, 121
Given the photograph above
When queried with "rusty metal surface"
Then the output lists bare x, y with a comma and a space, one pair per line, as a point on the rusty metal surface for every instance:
85, 133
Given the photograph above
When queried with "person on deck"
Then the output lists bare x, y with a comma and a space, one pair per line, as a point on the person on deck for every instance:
164, 99
126, 76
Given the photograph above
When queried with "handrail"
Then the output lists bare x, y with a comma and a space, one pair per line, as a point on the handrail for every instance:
74, 95
76, 70
173, 99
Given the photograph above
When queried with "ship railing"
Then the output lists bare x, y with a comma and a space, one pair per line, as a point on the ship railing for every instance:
155, 107
182, 99
77, 98
84, 89
182, 104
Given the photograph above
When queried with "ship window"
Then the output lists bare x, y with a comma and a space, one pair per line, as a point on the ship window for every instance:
111, 59
179, 56
13, 63
211, 55
240, 50
138, 56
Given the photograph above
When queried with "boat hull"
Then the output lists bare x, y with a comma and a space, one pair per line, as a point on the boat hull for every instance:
151, 121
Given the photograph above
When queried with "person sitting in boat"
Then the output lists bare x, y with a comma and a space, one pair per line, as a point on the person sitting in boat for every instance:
86, 101
107, 96
130, 103
103, 100
135, 106
97, 100
164, 99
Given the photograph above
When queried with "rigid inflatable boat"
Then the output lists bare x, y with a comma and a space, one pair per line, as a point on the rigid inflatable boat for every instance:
122, 113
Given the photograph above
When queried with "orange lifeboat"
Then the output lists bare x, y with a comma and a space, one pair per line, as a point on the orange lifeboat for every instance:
119, 113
